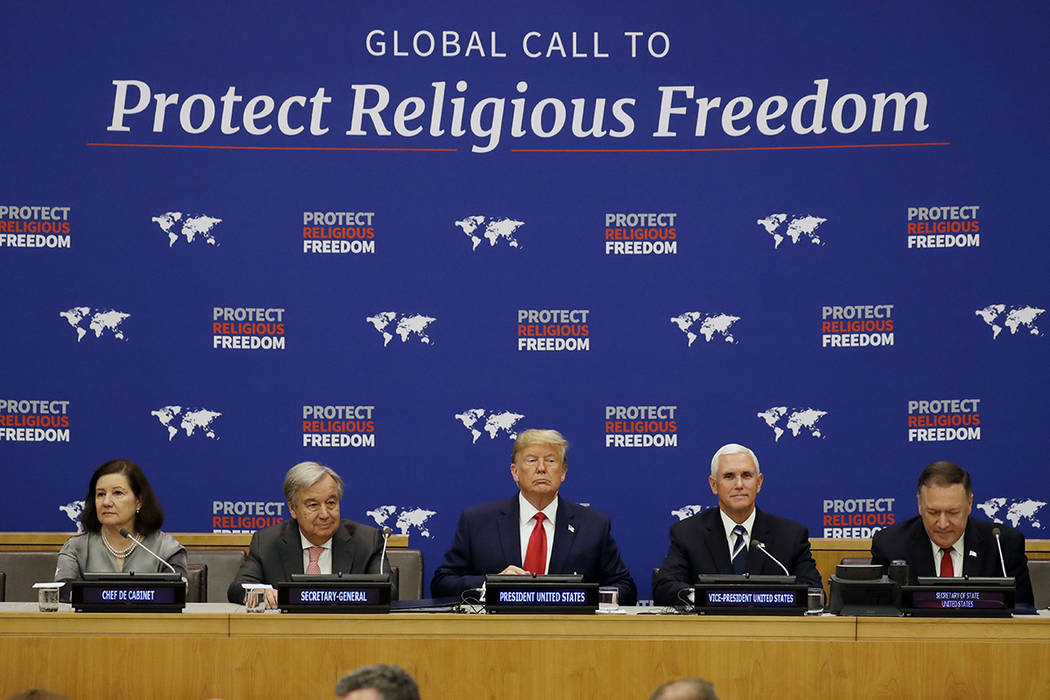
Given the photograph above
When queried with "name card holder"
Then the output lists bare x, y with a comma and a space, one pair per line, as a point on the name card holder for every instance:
534, 594
959, 597
145, 593
750, 595
353, 593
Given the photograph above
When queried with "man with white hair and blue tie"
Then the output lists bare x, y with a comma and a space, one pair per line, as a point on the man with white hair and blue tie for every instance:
717, 540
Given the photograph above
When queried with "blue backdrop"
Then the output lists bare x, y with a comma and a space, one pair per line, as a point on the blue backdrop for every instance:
813, 231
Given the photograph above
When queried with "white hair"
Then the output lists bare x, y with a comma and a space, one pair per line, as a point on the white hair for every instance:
306, 474
732, 449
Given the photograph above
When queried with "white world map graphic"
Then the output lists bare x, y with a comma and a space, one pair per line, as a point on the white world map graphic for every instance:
407, 518
99, 322
797, 227
710, 326
688, 511
406, 326
191, 421
193, 228
73, 509
1016, 511
495, 422
782, 419
1015, 318
491, 229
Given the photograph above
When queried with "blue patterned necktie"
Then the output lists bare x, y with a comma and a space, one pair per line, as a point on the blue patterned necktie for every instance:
739, 550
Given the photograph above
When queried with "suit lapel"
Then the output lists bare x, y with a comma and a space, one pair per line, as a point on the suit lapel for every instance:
510, 532
974, 541
920, 551
716, 542
757, 561
343, 553
564, 536
292, 549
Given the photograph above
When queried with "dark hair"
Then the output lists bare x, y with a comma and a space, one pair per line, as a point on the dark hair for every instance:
945, 474
392, 682
150, 516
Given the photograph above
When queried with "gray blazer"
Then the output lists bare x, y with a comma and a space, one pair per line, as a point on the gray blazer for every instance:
85, 553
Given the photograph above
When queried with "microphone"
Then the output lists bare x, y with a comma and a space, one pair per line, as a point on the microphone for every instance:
124, 533
999, 545
386, 536
755, 544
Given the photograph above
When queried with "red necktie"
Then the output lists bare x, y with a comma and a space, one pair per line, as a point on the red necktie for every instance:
946, 562
315, 554
536, 554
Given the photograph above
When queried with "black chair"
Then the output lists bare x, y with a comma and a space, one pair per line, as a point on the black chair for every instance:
3, 585
408, 564
1039, 571
197, 583
23, 569
222, 566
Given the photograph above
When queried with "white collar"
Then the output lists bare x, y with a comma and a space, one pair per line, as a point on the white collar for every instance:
527, 511
307, 543
749, 524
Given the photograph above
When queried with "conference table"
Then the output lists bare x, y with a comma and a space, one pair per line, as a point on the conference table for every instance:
216, 650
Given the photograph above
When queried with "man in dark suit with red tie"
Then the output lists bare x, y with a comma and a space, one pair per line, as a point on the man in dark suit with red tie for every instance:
942, 540
536, 531
718, 540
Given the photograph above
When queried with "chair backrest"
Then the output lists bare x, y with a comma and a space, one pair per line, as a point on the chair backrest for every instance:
197, 583
23, 569
409, 565
1039, 570
223, 565
3, 585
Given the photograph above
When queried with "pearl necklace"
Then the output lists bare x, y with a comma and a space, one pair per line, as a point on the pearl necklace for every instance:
118, 553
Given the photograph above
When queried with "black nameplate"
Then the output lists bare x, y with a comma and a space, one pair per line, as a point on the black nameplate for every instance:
750, 599
852, 597
959, 597
361, 593
530, 596
129, 594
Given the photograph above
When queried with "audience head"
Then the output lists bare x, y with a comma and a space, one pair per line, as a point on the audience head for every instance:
685, 689
378, 682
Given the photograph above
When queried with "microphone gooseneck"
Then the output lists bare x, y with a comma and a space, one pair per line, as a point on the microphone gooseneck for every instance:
125, 533
386, 538
999, 546
755, 544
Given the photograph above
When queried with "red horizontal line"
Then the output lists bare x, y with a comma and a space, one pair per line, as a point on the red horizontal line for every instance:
709, 150
266, 148
524, 150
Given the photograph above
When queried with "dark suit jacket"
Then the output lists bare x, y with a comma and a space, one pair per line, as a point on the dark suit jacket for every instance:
699, 546
488, 539
276, 552
909, 541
